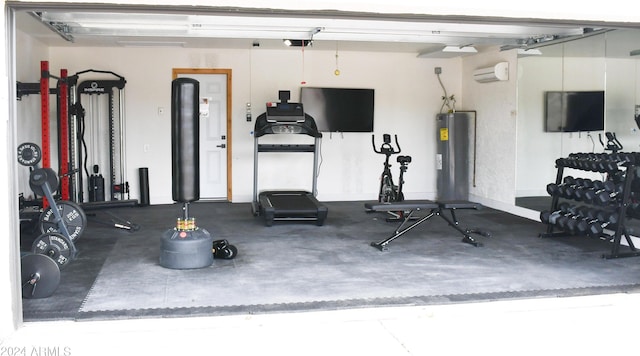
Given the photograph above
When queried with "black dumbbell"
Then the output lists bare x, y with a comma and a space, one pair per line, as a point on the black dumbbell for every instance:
607, 166
566, 188
608, 216
575, 191
568, 222
596, 227
603, 196
550, 217
556, 189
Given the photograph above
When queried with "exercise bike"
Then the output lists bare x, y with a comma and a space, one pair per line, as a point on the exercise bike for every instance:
612, 144
390, 192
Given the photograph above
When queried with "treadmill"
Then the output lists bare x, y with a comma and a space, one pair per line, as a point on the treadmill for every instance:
287, 205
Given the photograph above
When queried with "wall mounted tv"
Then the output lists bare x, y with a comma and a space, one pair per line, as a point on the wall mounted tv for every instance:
574, 111
339, 109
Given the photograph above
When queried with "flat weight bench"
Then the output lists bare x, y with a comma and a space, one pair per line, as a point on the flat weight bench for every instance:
435, 209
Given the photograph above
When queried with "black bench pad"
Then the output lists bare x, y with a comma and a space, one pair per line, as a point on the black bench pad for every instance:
459, 204
402, 205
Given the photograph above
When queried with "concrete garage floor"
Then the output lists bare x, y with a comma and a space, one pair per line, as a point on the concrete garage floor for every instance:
300, 267
430, 294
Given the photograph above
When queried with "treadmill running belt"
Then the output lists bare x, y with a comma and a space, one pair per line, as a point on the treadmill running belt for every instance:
291, 205
292, 202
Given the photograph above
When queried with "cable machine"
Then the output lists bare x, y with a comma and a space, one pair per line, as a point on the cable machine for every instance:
72, 147
89, 127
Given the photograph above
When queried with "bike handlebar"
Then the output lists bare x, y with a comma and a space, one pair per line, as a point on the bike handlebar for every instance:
386, 147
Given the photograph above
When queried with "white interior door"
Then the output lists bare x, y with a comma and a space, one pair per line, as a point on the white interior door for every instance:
213, 134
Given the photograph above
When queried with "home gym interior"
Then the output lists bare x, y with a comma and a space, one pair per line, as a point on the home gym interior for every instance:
161, 175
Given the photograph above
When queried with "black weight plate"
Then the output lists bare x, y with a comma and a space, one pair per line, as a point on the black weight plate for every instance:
41, 176
29, 154
72, 215
40, 276
231, 252
54, 245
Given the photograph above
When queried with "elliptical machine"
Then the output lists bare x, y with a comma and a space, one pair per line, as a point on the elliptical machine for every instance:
389, 192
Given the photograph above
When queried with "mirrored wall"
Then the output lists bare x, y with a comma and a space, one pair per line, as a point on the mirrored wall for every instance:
602, 62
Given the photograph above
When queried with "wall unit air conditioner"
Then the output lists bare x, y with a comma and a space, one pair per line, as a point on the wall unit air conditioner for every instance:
498, 72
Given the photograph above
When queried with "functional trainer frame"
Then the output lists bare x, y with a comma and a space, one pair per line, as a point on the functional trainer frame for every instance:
435, 209
118, 185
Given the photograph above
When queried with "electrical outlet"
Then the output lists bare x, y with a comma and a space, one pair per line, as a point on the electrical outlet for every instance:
438, 70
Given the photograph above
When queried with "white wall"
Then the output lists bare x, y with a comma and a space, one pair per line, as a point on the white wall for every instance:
407, 97
496, 106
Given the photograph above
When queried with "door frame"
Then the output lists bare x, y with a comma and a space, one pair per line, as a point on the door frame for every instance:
182, 71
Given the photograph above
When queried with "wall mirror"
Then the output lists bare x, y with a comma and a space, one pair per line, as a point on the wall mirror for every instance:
604, 62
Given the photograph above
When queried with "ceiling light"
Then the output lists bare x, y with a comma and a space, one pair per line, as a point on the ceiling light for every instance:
297, 43
447, 52
151, 43
523, 52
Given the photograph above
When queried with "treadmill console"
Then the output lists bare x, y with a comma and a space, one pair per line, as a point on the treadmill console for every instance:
285, 118
285, 112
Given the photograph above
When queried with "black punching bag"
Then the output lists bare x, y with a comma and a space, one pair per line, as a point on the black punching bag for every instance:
185, 128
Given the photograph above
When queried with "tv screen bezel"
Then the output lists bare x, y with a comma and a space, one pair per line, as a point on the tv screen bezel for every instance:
365, 119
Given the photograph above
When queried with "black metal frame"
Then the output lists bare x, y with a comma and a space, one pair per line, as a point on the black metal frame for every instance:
621, 206
436, 209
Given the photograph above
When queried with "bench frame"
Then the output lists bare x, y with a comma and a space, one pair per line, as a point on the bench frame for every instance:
435, 209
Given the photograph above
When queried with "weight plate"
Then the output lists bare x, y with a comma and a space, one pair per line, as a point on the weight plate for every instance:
40, 276
41, 176
230, 252
54, 245
72, 215
29, 154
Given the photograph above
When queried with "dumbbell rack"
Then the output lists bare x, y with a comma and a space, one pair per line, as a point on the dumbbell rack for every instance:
621, 165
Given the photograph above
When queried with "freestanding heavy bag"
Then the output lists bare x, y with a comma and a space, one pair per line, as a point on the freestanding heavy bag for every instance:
185, 130
186, 246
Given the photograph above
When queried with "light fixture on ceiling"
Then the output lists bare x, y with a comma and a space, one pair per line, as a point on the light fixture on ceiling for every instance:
151, 43
297, 43
524, 52
447, 52
303, 43
635, 52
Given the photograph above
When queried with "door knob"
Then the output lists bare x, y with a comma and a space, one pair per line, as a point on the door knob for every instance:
222, 145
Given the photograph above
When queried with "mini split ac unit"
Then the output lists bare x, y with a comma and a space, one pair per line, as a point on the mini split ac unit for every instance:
498, 72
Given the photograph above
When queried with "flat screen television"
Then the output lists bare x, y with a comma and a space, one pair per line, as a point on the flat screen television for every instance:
339, 109
574, 111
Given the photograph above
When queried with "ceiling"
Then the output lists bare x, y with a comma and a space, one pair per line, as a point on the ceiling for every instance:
232, 29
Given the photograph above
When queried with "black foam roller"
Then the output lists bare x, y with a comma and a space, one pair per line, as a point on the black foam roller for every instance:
144, 186
185, 128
